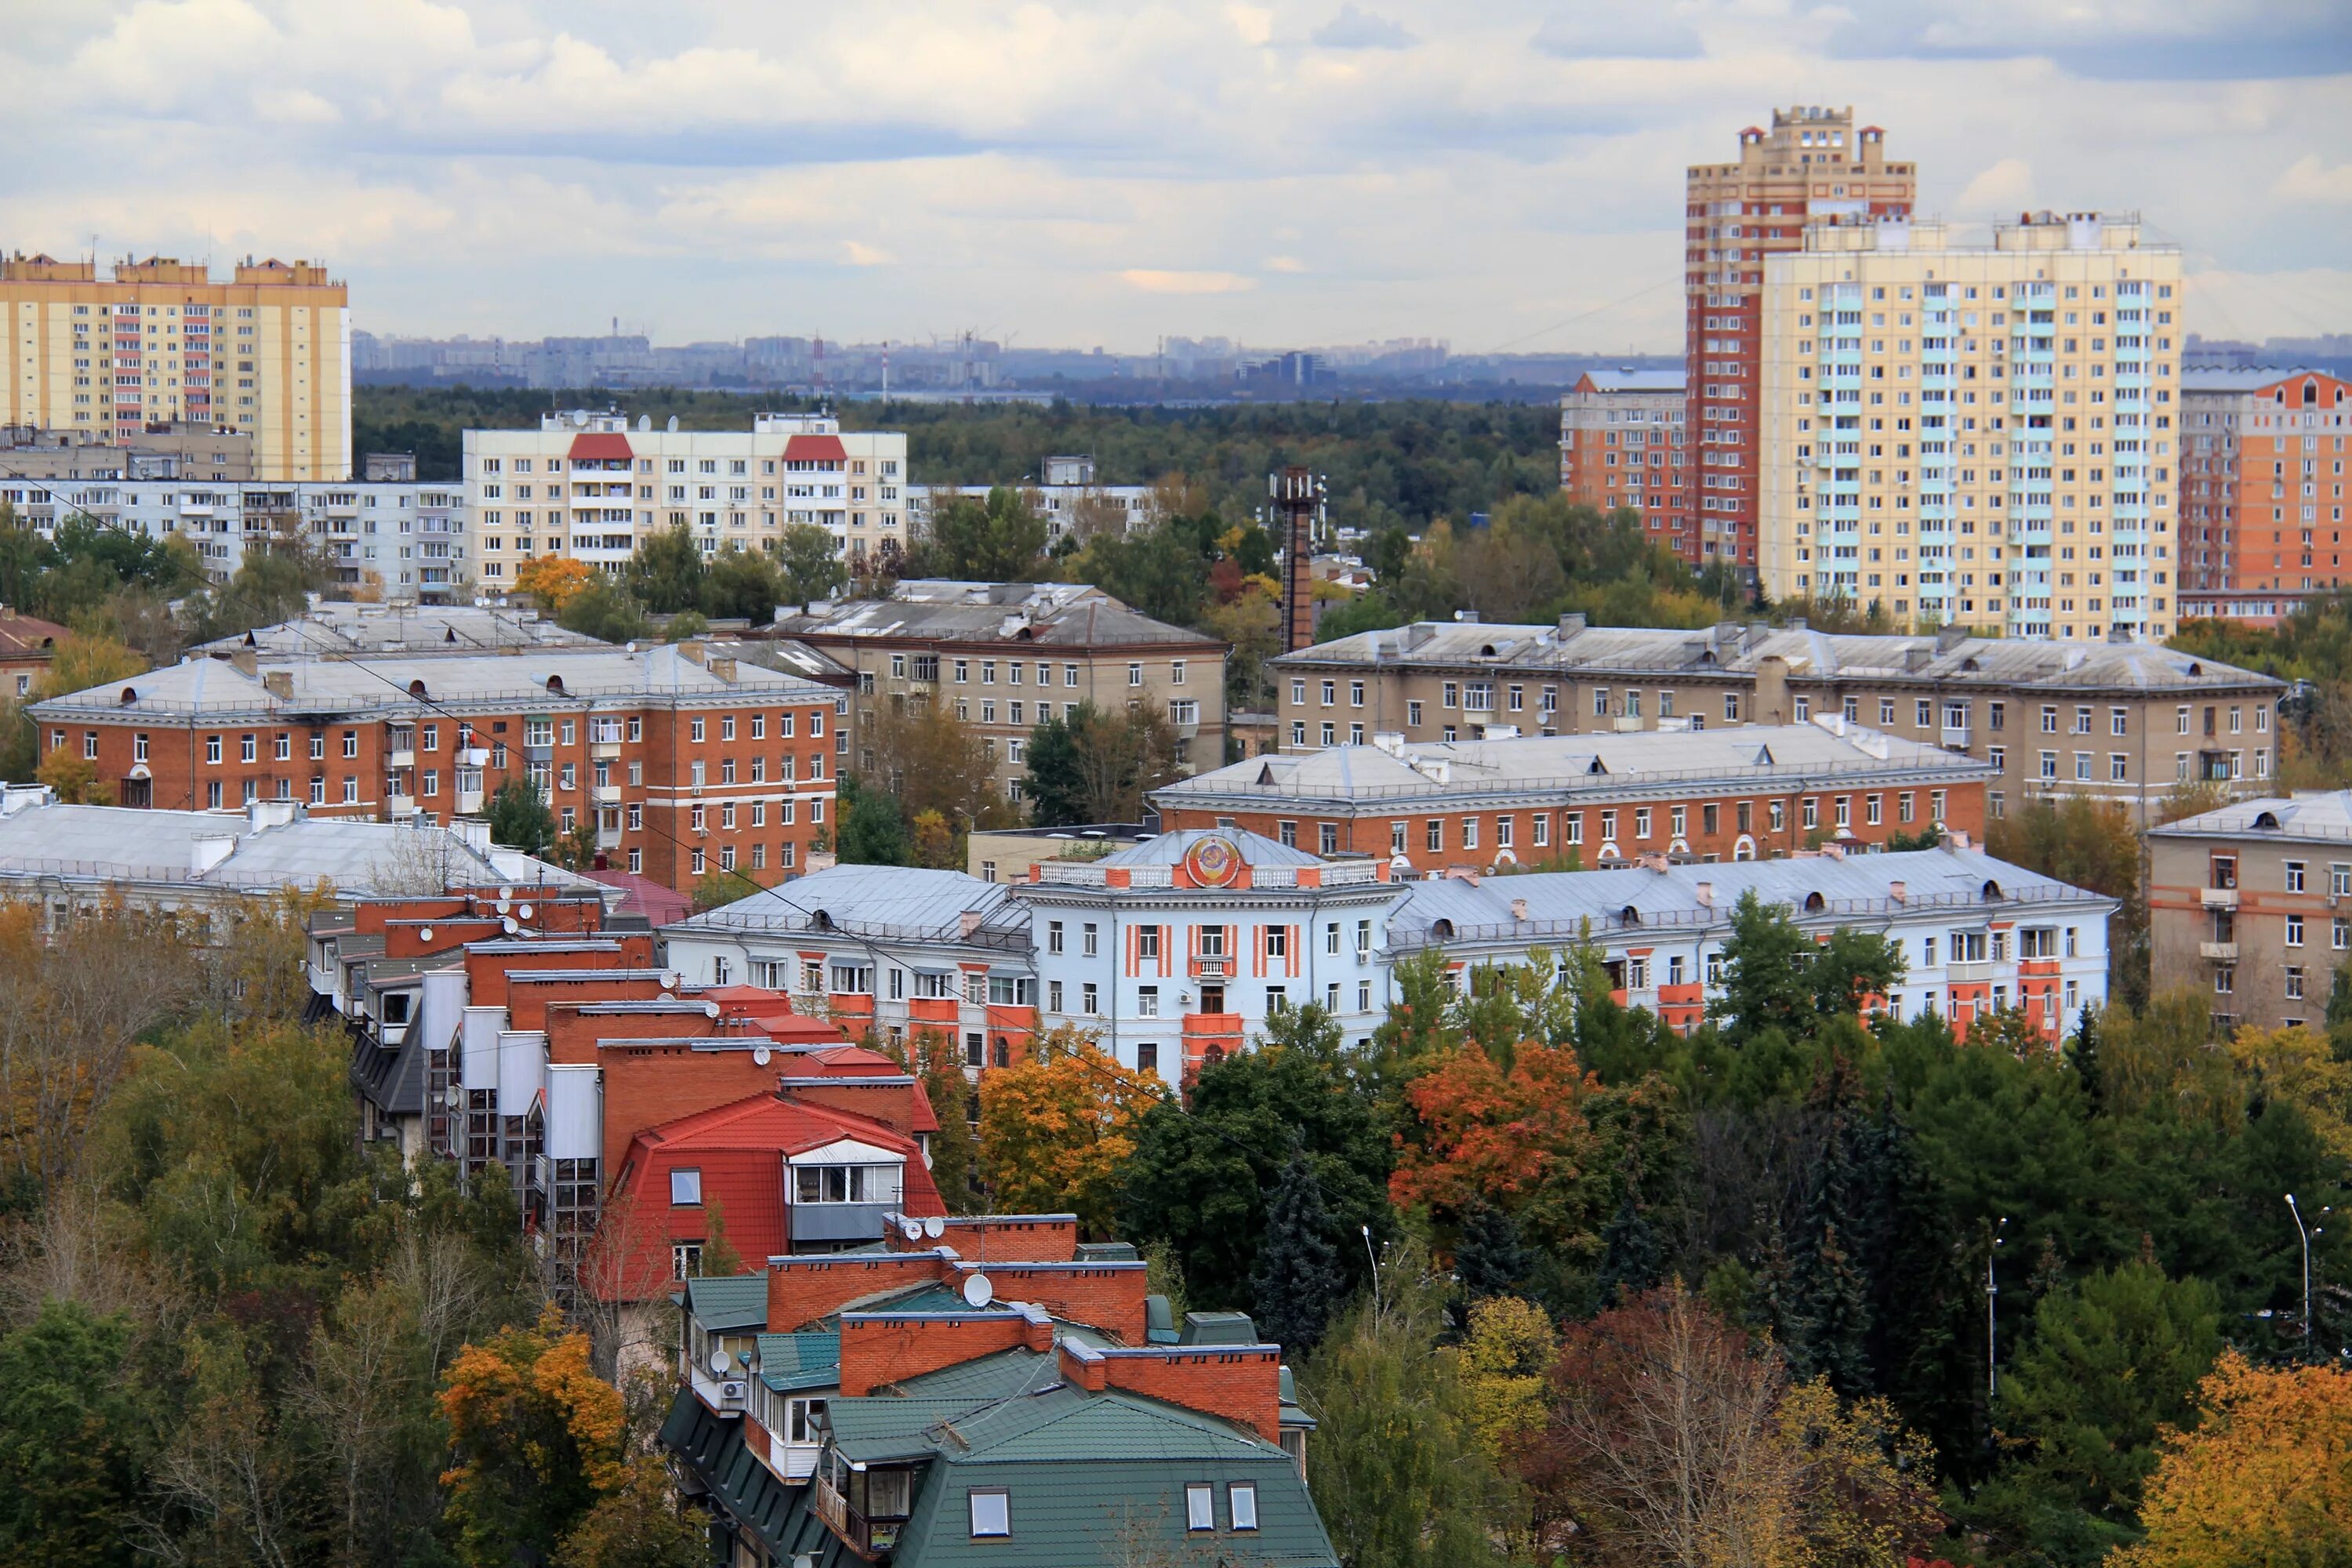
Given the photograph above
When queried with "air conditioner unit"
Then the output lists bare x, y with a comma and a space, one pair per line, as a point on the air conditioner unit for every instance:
732, 1392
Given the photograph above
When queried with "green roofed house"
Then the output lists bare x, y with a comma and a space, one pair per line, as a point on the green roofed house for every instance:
914, 1406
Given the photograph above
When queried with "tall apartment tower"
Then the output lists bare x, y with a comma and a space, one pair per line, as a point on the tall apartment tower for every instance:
1812, 165
2261, 491
267, 354
1980, 435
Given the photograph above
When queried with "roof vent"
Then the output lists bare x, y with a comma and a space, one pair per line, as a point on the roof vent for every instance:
129, 695
417, 690
1990, 891
2268, 820
1518, 908
278, 683
555, 683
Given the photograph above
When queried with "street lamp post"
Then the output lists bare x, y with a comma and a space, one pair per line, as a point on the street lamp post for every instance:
1992, 1288
2307, 1233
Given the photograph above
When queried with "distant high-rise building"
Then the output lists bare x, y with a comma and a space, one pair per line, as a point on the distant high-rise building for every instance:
267, 354
2262, 490
1622, 444
1812, 165
1977, 435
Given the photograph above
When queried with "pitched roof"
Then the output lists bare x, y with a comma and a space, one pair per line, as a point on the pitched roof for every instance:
2308, 816
27, 636
899, 903
1169, 849
1087, 619
641, 895
602, 446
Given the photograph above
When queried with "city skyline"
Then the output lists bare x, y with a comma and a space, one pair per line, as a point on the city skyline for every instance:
1288, 174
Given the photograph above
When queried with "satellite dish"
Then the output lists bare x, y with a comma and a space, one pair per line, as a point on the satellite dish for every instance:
506, 896
935, 1227
718, 1363
760, 1054
978, 1292
505, 903
672, 979
424, 935
710, 1009
524, 912
455, 1097
912, 1230
672, 426
510, 925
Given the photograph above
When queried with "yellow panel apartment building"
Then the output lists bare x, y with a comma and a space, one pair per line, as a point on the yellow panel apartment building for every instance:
1983, 436
267, 354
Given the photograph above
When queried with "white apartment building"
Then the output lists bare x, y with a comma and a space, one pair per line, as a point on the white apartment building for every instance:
591, 487
401, 542
1068, 500
1975, 436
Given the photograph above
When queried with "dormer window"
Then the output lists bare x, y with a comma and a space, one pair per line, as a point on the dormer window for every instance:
992, 1514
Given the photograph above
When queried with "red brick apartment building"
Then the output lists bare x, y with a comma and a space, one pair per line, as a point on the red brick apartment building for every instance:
1622, 444
27, 644
2261, 491
683, 762
1746, 793
1813, 165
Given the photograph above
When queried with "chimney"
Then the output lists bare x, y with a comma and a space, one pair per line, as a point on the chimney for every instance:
1895, 891
1948, 637
1796, 623
968, 924
206, 851
280, 683
1572, 624
691, 649
724, 669
1654, 859
1706, 895
1518, 908
1956, 839
245, 661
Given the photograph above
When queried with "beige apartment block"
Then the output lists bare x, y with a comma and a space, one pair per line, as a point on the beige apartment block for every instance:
1981, 436
2252, 905
2118, 719
592, 487
1006, 657
267, 354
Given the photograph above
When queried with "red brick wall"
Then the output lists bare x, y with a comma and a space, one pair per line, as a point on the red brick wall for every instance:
1038, 1241
529, 1001
1102, 1295
876, 1351
645, 1086
1242, 1386
803, 1289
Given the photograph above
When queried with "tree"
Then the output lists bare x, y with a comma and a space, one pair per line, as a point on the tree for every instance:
927, 759
666, 574
554, 580
1520, 1139
1764, 963
809, 563
1090, 767
933, 1056
538, 1439
74, 778
716, 890
83, 660
72, 1438
743, 584
1398, 1476
1489, 1258
998, 540
1506, 1356
684, 625
1056, 1129
640, 1523
2113, 1361
2262, 1479
607, 613
872, 831
1296, 1282
518, 817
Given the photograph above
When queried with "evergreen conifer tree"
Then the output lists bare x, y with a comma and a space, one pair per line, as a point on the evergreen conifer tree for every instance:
1296, 1284
1630, 1257
1491, 1259
2082, 1055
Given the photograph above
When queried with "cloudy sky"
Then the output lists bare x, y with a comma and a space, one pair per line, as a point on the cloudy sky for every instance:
1499, 174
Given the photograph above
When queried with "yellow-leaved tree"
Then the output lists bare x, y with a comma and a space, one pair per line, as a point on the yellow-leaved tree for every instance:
1506, 1362
2266, 1477
1055, 1127
539, 1440
2299, 1065
553, 580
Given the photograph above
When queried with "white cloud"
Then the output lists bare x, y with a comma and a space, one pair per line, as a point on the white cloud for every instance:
522, 166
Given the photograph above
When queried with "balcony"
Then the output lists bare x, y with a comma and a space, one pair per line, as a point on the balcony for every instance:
604, 750
469, 803
604, 795
2220, 951
839, 1222
1976, 973
405, 757
1208, 966
399, 805
869, 1538
1957, 737
474, 757
2218, 897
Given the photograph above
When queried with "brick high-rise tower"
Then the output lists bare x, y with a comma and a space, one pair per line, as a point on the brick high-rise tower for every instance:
1813, 163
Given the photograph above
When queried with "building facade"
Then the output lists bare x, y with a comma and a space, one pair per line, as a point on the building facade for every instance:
159, 449
2252, 903
2121, 721
1622, 443
2261, 491
267, 353
27, 647
1982, 437
1977, 935
1009, 656
591, 487
1170, 952
680, 763
1813, 163
396, 542
1742, 793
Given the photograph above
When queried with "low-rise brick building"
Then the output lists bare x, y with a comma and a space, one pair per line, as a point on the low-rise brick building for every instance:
1750, 793
680, 760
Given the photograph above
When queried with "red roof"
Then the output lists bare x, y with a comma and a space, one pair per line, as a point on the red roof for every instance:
816, 449
27, 636
604, 446
771, 1012
642, 895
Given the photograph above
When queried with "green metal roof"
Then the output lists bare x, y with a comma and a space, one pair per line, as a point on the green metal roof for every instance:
811, 1359
728, 1303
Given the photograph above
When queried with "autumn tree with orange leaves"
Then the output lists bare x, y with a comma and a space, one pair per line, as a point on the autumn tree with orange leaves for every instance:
539, 1438
1056, 1129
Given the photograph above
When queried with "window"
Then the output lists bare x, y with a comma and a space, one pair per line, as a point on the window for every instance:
1241, 1497
2295, 983
1147, 1002
685, 1259
1200, 1506
1147, 943
2295, 931
2294, 876
685, 1188
992, 1514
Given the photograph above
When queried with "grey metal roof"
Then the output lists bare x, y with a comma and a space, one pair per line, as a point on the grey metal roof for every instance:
1558, 904
1080, 618
1168, 849
1672, 380
2250, 378
1465, 769
385, 685
2317, 816
889, 902
128, 844
1571, 649
332, 627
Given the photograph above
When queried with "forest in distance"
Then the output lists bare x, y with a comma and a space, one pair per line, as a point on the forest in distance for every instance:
1388, 463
